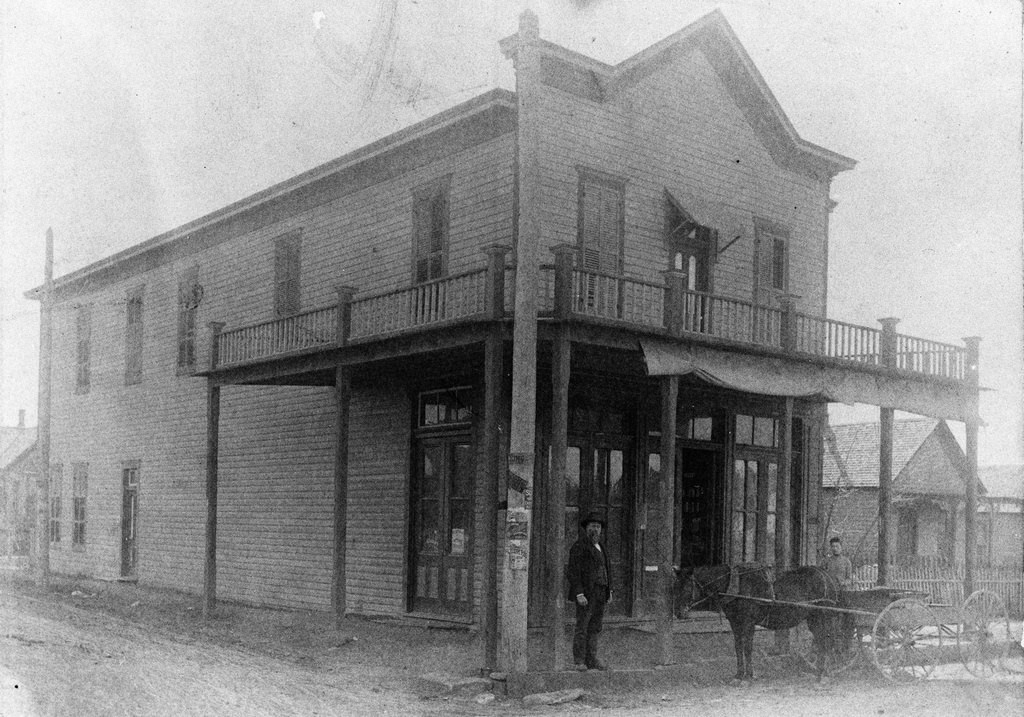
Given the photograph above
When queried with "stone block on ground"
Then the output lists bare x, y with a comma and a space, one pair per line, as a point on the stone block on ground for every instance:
553, 698
456, 684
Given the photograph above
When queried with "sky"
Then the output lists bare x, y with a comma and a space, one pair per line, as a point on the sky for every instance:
127, 118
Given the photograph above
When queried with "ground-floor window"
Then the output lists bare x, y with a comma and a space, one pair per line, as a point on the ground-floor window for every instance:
129, 518
56, 488
79, 492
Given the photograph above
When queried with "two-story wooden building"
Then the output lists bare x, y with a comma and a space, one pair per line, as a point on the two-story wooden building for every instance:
304, 399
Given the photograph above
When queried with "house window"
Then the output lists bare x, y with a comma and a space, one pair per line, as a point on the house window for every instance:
601, 223
430, 231
771, 266
757, 431
190, 294
79, 491
445, 407
56, 486
83, 347
133, 337
287, 265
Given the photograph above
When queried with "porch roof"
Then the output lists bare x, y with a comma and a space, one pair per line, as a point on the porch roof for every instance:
775, 376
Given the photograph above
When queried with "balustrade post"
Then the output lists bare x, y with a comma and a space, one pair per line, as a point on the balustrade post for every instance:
675, 302
888, 347
788, 327
345, 294
495, 289
564, 254
215, 329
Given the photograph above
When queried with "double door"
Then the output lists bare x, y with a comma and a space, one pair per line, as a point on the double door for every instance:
599, 478
442, 526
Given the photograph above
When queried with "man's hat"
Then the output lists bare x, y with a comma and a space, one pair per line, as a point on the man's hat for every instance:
593, 517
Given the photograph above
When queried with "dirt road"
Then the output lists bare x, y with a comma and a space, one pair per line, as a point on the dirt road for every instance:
130, 652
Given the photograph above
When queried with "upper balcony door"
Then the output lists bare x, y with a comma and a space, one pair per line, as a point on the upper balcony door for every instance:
690, 252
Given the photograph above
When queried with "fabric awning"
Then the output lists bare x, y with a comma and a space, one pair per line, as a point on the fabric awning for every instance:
772, 376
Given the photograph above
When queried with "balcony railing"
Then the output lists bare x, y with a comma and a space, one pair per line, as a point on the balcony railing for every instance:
567, 293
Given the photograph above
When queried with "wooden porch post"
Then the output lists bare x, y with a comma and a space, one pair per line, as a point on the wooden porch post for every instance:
662, 526
494, 382
343, 399
212, 438
885, 520
41, 548
971, 492
524, 353
783, 514
555, 495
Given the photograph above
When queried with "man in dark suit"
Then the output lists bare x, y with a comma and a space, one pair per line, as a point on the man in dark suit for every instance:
589, 576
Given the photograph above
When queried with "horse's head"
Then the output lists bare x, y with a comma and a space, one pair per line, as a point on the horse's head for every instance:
690, 591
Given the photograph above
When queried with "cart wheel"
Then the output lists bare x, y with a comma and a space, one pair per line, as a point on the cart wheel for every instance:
984, 638
802, 644
906, 640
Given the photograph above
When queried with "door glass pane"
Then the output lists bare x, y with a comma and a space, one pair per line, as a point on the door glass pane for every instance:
429, 485
745, 430
773, 479
615, 483
429, 541
599, 497
750, 494
462, 472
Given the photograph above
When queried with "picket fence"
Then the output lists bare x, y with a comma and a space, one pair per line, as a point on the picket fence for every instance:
945, 583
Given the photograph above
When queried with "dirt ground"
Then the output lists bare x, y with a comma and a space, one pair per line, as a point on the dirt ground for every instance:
88, 648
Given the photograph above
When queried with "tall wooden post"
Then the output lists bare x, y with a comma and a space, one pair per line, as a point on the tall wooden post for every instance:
212, 440
494, 388
971, 491
524, 354
42, 542
885, 520
664, 524
783, 513
561, 360
342, 398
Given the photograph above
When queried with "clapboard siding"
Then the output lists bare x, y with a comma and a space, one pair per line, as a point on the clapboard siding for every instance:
378, 500
678, 128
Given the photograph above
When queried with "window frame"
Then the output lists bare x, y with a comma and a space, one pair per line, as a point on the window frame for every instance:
79, 498
83, 348
55, 490
134, 336
587, 177
431, 203
772, 255
188, 321
288, 274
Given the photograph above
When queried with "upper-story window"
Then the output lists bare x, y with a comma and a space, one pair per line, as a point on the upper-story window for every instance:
83, 348
287, 267
601, 222
430, 231
771, 266
190, 294
690, 246
133, 337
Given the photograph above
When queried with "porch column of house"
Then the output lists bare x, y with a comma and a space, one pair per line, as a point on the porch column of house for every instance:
561, 360
342, 402
661, 520
783, 512
212, 451
41, 545
494, 381
521, 458
971, 440
885, 419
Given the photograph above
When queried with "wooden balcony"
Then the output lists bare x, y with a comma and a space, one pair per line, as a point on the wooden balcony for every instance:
571, 294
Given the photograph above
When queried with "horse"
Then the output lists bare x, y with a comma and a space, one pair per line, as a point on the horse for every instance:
777, 605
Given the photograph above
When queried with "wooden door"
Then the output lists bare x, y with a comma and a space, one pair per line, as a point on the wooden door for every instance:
129, 522
697, 508
442, 526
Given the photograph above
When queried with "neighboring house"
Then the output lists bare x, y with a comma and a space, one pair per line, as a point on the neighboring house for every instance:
929, 473
18, 472
1001, 515
303, 399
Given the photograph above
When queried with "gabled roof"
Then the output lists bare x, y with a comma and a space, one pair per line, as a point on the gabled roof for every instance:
1005, 481
14, 442
715, 38
926, 458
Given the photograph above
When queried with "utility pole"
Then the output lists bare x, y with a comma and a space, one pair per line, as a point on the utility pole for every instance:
42, 562
516, 571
